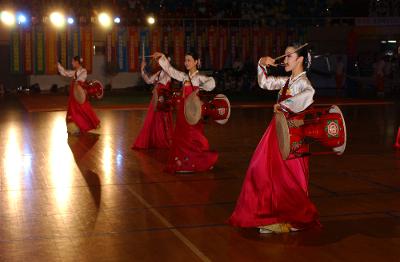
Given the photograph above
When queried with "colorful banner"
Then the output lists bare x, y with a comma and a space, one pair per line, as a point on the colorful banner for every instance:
179, 48
166, 42
87, 47
133, 49
74, 44
245, 43
62, 48
145, 42
51, 51
39, 49
257, 45
27, 46
15, 50
156, 40
189, 40
122, 50
213, 46
223, 47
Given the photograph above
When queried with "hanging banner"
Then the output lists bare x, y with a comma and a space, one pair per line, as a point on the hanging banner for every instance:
62, 48
133, 49
245, 43
87, 47
39, 52
74, 44
189, 40
223, 47
179, 48
27, 46
268, 43
156, 40
257, 45
213, 46
122, 51
145, 42
200, 47
234, 45
166, 48
51, 51
15, 51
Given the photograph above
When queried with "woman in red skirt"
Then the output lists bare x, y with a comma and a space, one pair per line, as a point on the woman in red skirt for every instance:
157, 127
190, 150
274, 195
80, 115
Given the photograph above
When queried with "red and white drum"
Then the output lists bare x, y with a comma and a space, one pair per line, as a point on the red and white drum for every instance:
165, 99
322, 125
94, 88
218, 108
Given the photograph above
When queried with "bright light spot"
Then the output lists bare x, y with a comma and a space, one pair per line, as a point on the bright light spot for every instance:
392, 41
22, 19
151, 20
105, 20
7, 18
117, 20
57, 19
70, 20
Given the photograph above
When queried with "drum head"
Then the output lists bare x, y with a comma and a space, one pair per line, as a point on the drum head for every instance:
79, 93
223, 97
193, 108
340, 149
282, 132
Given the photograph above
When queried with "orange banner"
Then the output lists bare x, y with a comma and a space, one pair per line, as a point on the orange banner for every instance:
179, 47
155, 40
87, 47
133, 49
51, 51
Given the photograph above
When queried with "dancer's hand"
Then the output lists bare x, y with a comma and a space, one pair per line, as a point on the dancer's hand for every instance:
267, 61
157, 55
277, 108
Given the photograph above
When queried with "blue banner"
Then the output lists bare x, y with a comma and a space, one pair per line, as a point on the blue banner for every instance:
122, 50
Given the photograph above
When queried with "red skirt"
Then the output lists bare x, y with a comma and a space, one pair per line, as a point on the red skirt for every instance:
82, 115
190, 150
274, 190
156, 131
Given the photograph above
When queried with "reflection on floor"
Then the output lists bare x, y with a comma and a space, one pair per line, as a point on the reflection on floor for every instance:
92, 198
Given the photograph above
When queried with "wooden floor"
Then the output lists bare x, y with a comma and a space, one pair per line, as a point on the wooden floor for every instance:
92, 198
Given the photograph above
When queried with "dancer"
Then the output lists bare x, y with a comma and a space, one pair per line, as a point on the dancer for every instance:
274, 196
80, 115
157, 128
190, 150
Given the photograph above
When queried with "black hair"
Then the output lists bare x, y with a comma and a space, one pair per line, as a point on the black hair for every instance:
305, 52
78, 59
195, 57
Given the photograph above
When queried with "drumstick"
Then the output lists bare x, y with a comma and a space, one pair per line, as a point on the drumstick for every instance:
297, 49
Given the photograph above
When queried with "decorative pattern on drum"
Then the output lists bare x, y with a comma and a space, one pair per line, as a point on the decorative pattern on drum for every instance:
94, 88
217, 108
322, 125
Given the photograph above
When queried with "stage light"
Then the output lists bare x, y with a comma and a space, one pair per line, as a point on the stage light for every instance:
151, 20
70, 20
22, 19
117, 20
392, 41
104, 19
57, 19
7, 18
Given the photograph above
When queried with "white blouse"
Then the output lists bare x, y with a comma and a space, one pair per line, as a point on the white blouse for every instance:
79, 75
159, 77
203, 82
299, 88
